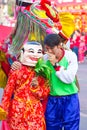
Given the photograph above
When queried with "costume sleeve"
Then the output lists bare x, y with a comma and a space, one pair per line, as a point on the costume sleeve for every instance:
42, 90
8, 91
68, 75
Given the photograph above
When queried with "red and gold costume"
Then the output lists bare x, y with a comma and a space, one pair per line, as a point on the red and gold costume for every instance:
22, 101
25, 91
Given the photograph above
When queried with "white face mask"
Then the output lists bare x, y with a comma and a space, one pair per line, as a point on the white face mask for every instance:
31, 54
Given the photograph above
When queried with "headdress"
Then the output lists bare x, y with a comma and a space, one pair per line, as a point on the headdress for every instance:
68, 25
63, 21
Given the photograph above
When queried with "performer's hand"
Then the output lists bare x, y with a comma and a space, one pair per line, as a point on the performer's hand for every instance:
34, 83
52, 58
16, 65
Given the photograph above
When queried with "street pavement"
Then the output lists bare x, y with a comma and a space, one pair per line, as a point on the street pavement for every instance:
82, 77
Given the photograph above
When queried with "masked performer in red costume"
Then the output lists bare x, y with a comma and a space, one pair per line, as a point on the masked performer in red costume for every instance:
24, 92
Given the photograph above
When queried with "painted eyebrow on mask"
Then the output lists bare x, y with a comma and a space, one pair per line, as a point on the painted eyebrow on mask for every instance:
31, 49
40, 50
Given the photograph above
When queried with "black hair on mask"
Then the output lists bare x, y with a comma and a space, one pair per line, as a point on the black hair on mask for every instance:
22, 50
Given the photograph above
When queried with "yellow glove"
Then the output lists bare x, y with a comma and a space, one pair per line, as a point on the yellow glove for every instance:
3, 114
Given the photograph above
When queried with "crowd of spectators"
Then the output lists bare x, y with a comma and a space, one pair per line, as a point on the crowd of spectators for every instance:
78, 44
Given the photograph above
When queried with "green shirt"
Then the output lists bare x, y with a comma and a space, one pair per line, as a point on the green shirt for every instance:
57, 86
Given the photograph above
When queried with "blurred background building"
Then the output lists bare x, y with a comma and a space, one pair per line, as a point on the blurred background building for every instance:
78, 8
7, 12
